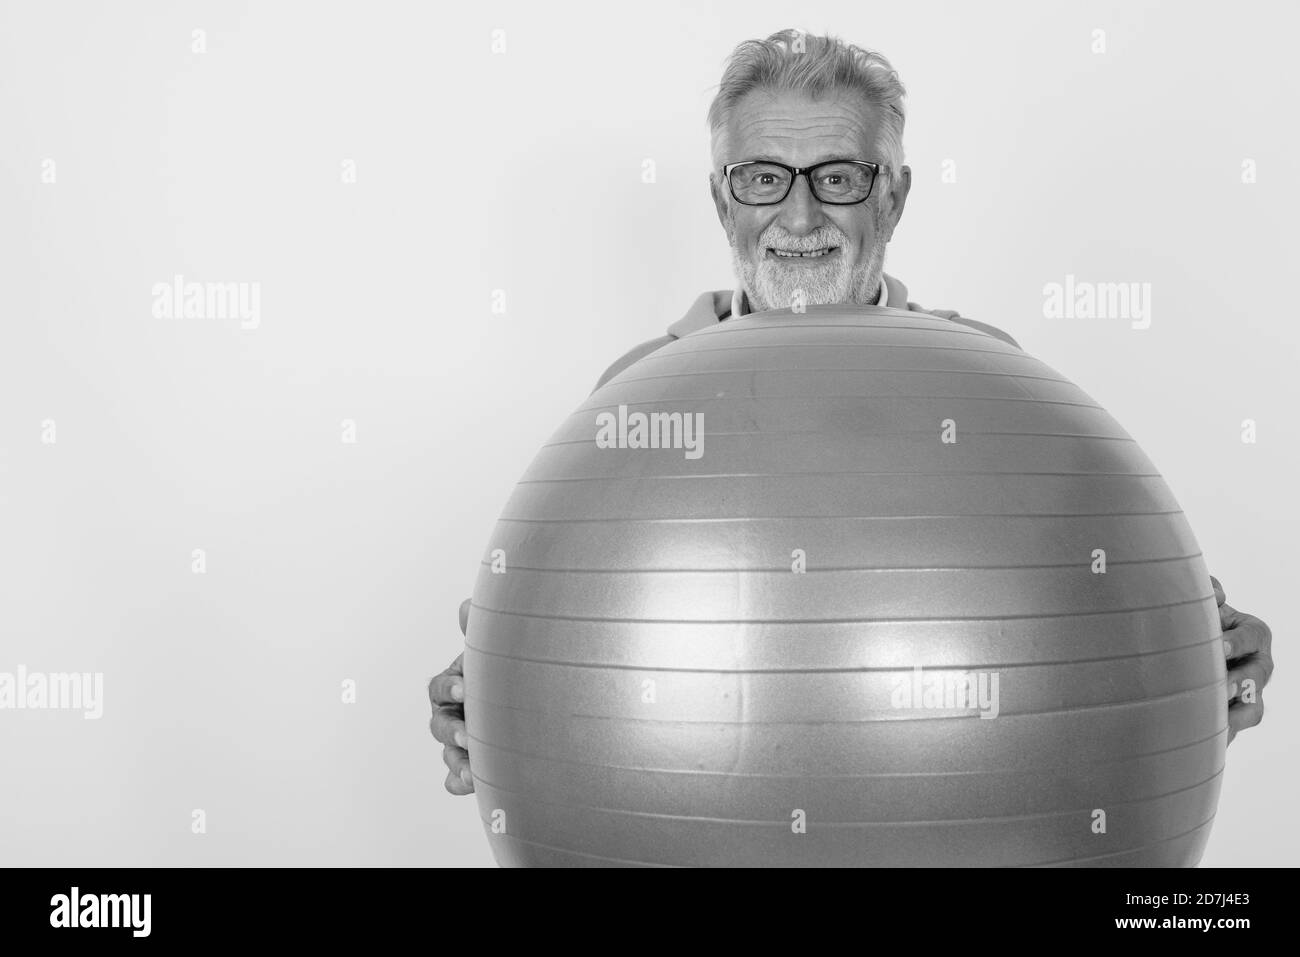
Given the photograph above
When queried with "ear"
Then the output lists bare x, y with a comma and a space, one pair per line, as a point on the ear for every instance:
720, 203
895, 199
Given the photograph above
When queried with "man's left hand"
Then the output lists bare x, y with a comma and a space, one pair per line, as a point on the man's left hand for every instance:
1248, 648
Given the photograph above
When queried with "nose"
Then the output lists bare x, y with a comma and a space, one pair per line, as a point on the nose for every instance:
800, 212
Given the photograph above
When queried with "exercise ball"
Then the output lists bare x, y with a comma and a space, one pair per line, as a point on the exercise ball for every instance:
847, 587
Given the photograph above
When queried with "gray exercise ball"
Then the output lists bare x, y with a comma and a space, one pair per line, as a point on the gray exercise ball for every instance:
848, 587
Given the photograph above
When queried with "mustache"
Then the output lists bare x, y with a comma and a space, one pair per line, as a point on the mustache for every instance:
780, 239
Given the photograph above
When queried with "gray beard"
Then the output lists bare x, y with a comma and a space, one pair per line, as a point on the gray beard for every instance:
770, 285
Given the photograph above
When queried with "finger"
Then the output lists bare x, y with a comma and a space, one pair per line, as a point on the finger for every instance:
448, 688
1246, 681
464, 616
456, 759
1246, 635
448, 726
1219, 596
457, 784
1227, 616
1243, 716
1257, 667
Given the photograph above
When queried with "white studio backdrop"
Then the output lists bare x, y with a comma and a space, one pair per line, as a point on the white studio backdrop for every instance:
231, 518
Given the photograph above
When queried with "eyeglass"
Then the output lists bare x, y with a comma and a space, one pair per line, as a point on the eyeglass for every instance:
835, 182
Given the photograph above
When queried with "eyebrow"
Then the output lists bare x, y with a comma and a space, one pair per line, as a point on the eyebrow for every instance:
823, 158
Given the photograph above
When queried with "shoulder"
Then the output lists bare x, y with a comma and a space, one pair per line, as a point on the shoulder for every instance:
953, 316
709, 307
631, 356
993, 331
707, 310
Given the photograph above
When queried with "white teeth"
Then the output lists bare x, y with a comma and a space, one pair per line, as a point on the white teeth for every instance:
812, 254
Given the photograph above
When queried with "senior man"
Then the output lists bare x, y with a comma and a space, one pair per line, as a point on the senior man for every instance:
809, 185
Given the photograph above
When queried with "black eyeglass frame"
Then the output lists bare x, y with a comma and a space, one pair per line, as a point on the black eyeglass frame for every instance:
797, 171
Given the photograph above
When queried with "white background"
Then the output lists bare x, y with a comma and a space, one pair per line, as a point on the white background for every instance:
522, 172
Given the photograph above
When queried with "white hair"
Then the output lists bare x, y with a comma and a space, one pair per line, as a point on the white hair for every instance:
794, 61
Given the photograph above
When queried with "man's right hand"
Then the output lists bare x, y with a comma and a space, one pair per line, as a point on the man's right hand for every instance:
447, 696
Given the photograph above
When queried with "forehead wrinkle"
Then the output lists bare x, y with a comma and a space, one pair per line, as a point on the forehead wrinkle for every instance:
750, 138
783, 149
801, 124
799, 129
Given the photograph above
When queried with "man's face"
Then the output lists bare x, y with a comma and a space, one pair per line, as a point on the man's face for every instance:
797, 130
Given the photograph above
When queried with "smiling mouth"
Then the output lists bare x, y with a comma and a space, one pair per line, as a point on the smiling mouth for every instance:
791, 254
